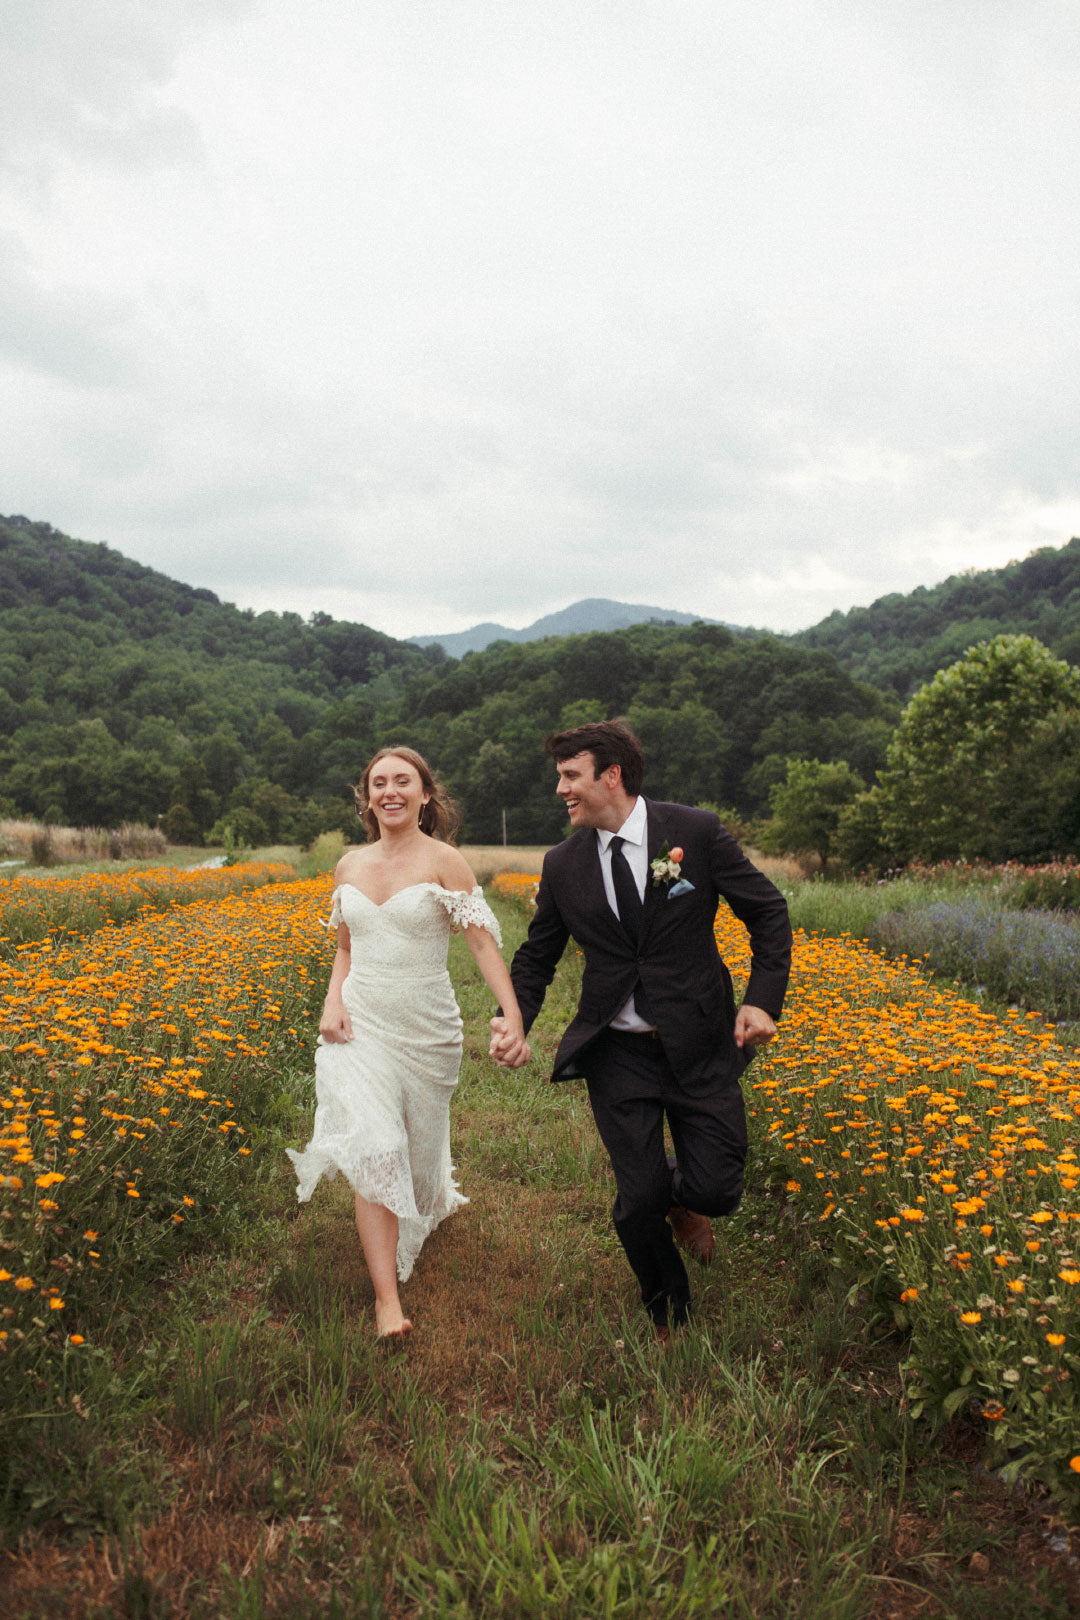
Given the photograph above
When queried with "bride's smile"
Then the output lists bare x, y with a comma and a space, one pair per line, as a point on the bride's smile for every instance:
396, 793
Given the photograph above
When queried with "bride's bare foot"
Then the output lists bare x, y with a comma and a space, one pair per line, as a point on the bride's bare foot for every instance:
391, 1322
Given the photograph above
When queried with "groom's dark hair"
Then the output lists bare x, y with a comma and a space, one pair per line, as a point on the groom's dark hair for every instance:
609, 742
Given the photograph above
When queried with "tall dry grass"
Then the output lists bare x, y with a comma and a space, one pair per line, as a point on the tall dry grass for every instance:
487, 859
42, 845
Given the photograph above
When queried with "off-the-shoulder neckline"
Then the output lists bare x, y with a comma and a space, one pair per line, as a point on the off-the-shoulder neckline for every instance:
428, 884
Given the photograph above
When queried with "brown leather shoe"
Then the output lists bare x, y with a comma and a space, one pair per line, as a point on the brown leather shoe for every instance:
693, 1233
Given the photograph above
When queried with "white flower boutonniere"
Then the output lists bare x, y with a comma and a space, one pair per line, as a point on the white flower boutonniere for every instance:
665, 867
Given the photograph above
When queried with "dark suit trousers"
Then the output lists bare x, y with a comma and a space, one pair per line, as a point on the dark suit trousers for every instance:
631, 1087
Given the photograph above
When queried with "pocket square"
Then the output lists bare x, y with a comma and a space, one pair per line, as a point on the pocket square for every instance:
682, 887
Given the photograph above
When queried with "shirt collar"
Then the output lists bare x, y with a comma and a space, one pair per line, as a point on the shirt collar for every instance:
632, 829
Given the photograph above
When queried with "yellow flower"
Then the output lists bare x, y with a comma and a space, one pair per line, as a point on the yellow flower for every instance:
56, 1304
913, 1214
76, 1338
1074, 1464
1069, 1275
971, 1317
908, 1295
1056, 1339
1041, 1216
24, 1283
1015, 1286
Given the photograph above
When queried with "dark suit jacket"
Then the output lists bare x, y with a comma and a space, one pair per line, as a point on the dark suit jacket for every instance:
687, 983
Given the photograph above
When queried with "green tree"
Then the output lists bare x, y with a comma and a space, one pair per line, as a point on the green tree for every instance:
859, 840
179, 825
488, 791
806, 806
985, 760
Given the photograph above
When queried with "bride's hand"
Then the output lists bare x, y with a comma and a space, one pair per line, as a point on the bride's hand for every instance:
508, 1046
335, 1025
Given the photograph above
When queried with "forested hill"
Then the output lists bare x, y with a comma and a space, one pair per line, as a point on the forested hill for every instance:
100, 595
124, 695
718, 714
116, 682
899, 642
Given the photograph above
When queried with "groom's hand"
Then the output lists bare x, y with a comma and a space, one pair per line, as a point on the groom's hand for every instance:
511, 1050
753, 1026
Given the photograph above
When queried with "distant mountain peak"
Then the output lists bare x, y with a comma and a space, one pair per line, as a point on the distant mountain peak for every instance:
590, 614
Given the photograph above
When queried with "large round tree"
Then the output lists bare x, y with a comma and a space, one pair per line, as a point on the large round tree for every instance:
985, 762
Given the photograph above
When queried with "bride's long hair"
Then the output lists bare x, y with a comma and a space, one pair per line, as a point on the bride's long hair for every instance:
439, 817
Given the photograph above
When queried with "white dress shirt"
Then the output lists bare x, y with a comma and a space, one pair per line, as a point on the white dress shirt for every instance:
636, 850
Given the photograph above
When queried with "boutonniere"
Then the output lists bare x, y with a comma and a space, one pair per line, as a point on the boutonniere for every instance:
665, 867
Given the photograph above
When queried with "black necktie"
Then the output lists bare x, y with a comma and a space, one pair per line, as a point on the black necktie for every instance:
626, 891
631, 911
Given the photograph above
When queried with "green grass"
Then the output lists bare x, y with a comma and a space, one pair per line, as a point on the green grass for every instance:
247, 1449
175, 855
839, 908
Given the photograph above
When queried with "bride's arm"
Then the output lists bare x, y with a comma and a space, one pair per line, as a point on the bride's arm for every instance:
335, 1024
508, 1043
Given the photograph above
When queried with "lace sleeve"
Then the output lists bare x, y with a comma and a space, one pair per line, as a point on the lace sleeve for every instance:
470, 911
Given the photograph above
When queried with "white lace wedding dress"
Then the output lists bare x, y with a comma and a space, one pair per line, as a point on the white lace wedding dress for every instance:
383, 1099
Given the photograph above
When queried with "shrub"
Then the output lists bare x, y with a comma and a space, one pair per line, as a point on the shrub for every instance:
42, 852
1030, 957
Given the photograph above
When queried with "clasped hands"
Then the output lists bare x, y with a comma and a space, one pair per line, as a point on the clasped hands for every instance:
508, 1046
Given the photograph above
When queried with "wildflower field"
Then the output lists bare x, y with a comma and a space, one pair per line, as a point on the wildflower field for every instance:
40, 908
204, 1424
933, 1144
136, 1063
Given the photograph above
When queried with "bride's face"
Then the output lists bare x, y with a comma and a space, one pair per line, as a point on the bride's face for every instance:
396, 793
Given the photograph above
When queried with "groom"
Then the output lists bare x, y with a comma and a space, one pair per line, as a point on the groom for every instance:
656, 1030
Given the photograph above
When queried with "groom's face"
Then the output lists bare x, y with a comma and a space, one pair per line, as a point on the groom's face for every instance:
588, 798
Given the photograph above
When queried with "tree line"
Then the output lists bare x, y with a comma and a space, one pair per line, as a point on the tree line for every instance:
125, 695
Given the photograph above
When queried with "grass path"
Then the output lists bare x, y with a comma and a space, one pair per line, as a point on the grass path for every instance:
249, 1451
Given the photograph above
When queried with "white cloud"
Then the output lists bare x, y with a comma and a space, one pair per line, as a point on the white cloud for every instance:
466, 309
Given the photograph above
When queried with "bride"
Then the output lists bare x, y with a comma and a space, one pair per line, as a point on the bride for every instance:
390, 1032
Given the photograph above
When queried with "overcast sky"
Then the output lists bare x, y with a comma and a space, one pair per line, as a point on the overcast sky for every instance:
422, 312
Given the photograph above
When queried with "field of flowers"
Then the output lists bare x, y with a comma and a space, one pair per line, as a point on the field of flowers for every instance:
137, 1066
519, 886
932, 1145
35, 908
936, 1142
929, 1143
